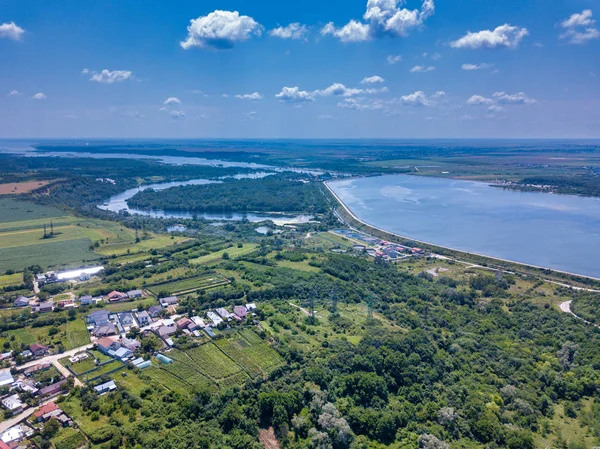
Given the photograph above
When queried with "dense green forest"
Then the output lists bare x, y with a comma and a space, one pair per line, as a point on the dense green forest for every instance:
278, 193
568, 185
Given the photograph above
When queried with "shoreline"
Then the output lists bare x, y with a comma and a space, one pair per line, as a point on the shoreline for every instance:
454, 250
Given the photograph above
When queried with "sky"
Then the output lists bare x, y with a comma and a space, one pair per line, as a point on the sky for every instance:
310, 69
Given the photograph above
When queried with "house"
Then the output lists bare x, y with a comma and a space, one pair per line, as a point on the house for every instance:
216, 319
84, 277
134, 294
21, 301
26, 385
131, 344
98, 317
223, 313
66, 304
105, 388
40, 279
126, 319
38, 350
198, 321
250, 306
170, 301
13, 403
108, 344
105, 330
240, 311
85, 300
44, 413
116, 296
64, 420
154, 311
120, 354
143, 319
166, 331
53, 389
184, 323
44, 307
13, 436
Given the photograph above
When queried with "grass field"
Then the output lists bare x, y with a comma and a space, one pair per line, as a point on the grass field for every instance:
12, 210
22, 243
167, 380
104, 369
80, 367
69, 438
218, 256
9, 280
190, 285
71, 335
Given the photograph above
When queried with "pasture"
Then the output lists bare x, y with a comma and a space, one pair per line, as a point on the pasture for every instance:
218, 256
13, 210
190, 285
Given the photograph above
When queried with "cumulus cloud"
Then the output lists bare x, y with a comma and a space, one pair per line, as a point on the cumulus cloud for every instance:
11, 31
416, 99
294, 95
481, 66
14, 93
382, 18
172, 100
39, 96
422, 68
340, 90
504, 36
580, 28
253, 96
177, 115
108, 76
220, 30
394, 59
361, 104
496, 108
372, 80
518, 98
292, 31
478, 100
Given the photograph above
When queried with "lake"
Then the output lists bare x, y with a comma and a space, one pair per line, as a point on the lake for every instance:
118, 203
561, 232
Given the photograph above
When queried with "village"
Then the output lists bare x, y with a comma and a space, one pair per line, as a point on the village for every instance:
29, 391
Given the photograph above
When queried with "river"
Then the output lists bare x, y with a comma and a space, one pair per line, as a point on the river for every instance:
561, 232
118, 203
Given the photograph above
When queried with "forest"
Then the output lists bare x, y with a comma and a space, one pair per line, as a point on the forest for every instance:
277, 193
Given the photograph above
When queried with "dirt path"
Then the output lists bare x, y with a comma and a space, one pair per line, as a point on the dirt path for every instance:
566, 308
304, 311
268, 439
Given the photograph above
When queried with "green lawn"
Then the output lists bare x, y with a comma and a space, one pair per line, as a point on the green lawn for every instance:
13, 210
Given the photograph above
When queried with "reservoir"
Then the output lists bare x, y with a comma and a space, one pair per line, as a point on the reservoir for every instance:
561, 232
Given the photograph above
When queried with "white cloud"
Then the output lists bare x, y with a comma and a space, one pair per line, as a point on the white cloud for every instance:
436, 56
11, 31
294, 95
580, 28
394, 59
220, 30
439, 94
39, 96
382, 18
108, 76
14, 93
496, 108
361, 104
416, 99
504, 36
372, 80
172, 100
340, 90
422, 68
292, 31
481, 66
254, 96
518, 98
478, 100
177, 114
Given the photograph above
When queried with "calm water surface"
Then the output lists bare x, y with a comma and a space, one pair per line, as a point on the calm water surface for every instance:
555, 231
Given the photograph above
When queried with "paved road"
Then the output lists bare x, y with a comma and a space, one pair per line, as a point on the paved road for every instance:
55, 357
566, 308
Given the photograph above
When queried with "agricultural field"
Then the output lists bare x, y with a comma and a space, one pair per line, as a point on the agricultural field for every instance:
10, 280
22, 241
162, 377
107, 368
69, 438
190, 285
12, 210
233, 252
255, 358
17, 188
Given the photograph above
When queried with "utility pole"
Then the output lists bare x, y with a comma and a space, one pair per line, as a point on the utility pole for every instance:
51, 228
45, 233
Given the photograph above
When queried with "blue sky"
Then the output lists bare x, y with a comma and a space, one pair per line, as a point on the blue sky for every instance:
345, 68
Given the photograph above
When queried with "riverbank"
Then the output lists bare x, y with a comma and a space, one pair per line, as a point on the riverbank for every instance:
347, 216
